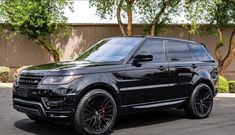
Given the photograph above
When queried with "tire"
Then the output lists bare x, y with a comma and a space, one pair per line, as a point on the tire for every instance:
200, 103
36, 119
95, 113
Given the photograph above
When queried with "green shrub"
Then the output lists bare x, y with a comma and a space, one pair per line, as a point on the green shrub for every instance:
18, 71
223, 85
231, 86
4, 74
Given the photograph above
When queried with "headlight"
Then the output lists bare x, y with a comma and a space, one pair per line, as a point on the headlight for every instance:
59, 79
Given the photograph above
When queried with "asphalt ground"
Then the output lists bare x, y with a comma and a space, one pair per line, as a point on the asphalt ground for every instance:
160, 122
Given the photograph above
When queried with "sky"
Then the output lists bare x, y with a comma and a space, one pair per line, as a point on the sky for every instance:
83, 13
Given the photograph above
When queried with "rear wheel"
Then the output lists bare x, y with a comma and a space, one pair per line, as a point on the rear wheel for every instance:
95, 113
200, 103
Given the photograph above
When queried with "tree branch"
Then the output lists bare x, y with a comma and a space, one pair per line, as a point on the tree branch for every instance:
129, 16
119, 19
158, 16
219, 45
230, 55
50, 49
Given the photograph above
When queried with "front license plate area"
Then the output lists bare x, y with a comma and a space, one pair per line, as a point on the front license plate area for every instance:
23, 92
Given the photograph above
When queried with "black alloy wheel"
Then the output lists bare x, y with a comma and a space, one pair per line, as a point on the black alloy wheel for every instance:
203, 102
96, 113
200, 103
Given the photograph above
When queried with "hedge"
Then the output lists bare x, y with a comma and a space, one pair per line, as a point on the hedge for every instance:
231, 86
223, 86
4, 73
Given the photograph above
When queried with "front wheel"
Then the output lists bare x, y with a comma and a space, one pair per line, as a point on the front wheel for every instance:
200, 103
95, 113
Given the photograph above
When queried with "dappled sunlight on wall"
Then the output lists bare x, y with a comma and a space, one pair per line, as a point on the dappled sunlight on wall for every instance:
20, 51
79, 41
75, 46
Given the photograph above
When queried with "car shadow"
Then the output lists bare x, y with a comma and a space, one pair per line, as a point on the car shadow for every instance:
149, 118
123, 122
38, 128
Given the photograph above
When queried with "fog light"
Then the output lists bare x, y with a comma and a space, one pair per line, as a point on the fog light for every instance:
53, 102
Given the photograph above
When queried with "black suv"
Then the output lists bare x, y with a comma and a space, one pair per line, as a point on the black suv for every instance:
117, 76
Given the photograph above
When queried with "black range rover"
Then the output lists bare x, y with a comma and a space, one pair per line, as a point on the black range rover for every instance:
119, 76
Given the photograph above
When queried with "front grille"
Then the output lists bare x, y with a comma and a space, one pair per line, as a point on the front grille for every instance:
26, 79
29, 98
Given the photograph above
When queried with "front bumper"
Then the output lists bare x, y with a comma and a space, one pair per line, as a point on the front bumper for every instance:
49, 102
29, 107
37, 109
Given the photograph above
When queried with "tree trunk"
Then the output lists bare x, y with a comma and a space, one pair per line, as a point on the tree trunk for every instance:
230, 55
219, 44
157, 17
50, 49
119, 19
56, 56
129, 16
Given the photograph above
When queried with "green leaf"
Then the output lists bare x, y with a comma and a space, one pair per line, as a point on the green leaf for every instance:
35, 19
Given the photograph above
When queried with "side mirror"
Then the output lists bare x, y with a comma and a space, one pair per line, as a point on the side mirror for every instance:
142, 57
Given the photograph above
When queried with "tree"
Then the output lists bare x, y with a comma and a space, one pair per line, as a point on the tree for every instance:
218, 13
105, 8
156, 13
36, 20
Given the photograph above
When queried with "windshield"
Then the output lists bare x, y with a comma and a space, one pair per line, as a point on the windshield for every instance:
110, 50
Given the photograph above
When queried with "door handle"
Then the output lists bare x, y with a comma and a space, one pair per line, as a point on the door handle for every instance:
162, 68
194, 66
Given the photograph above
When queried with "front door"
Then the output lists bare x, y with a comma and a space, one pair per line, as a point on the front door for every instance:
148, 82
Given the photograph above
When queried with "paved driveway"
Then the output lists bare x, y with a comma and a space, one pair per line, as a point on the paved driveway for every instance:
161, 122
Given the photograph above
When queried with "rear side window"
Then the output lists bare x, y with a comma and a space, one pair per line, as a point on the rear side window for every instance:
178, 51
200, 52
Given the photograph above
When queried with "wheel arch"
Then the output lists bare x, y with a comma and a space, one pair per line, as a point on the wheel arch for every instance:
207, 82
100, 85
205, 77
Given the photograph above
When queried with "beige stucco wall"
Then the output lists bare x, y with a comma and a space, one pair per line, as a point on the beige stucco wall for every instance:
20, 51
2, 51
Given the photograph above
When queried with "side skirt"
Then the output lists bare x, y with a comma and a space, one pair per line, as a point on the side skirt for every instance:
143, 107
159, 104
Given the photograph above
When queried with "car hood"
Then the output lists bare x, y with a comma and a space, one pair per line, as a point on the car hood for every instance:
66, 68
62, 65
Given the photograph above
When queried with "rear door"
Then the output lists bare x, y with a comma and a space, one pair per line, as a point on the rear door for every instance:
182, 68
206, 61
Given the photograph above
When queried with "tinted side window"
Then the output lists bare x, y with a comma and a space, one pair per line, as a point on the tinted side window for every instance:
178, 51
200, 52
156, 48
